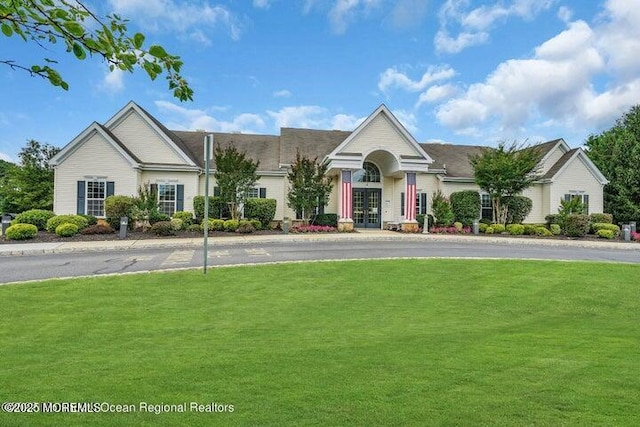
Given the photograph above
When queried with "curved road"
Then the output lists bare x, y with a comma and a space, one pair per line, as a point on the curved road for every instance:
44, 266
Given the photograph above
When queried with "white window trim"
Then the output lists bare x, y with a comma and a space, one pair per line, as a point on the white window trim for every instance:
86, 195
173, 184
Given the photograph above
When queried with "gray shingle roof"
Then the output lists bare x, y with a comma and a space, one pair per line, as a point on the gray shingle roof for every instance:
454, 157
559, 164
311, 143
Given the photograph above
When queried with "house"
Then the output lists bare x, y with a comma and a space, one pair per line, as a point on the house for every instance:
381, 173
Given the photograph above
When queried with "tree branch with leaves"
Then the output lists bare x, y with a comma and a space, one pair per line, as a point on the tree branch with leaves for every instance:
84, 33
308, 186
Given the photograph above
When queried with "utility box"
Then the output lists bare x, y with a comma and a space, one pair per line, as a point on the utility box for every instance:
286, 225
124, 224
632, 226
6, 223
626, 232
476, 227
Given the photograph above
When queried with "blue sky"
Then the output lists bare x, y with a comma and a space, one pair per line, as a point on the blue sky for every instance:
459, 71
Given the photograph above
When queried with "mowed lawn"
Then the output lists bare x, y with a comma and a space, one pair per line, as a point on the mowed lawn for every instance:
401, 342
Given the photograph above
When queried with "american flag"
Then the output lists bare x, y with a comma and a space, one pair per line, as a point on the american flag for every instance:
411, 197
346, 211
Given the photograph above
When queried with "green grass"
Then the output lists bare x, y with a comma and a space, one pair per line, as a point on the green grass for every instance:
403, 342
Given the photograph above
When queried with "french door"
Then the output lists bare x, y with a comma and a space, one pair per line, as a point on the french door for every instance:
367, 207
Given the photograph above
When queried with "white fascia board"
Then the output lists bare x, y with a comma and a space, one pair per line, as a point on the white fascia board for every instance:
170, 168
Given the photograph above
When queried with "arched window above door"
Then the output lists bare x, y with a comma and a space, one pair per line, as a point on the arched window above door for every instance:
368, 173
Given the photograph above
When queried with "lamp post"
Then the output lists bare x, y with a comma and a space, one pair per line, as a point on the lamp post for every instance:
208, 148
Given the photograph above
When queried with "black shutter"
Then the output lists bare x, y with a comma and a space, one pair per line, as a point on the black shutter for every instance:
216, 191
585, 202
567, 197
81, 198
111, 188
423, 203
154, 190
263, 193
180, 197
402, 204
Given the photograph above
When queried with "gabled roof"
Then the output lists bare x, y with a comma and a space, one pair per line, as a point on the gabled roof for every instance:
165, 134
452, 159
311, 143
96, 127
567, 158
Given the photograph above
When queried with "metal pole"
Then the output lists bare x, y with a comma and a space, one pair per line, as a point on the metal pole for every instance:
208, 142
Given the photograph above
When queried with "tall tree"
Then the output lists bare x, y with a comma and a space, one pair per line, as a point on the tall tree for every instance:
616, 152
309, 187
504, 172
29, 185
83, 32
236, 175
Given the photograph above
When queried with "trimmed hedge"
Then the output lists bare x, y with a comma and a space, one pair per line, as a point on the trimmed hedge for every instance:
66, 229
605, 226
217, 207
115, 207
329, 219
186, 217
162, 228
21, 232
177, 224
77, 220
231, 225
245, 226
515, 229
519, 208
606, 234
97, 229
466, 206
601, 217
543, 231
555, 229
577, 225
498, 228
264, 210
37, 217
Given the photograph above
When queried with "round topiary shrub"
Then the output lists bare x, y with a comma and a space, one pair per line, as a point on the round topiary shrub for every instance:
21, 232
37, 217
177, 224
489, 230
78, 220
515, 229
245, 227
231, 225
543, 231
97, 229
66, 230
498, 228
214, 225
577, 225
482, 227
555, 229
162, 228
605, 226
605, 234
458, 226
194, 227
186, 217
257, 225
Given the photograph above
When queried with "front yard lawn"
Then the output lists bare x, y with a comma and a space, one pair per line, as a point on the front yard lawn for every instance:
400, 342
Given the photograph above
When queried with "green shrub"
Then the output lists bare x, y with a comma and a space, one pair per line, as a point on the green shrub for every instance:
555, 229
482, 227
530, 229
465, 206
541, 230
441, 208
552, 219
489, 230
264, 210
157, 216
186, 217
245, 226
601, 217
256, 224
78, 220
91, 220
116, 207
21, 232
498, 228
97, 229
162, 228
66, 229
458, 226
177, 224
515, 229
519, 208
218, 208
37, 217
605, 234
231, 225
194, 227
485, 221
595, 227
577, 225
329, 219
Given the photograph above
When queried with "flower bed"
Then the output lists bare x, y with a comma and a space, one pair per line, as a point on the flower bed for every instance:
302, 228
450, 230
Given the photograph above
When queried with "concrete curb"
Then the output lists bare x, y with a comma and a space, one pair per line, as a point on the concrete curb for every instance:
369, 236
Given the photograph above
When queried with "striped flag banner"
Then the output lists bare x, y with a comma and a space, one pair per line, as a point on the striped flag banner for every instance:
411, 197
347, 207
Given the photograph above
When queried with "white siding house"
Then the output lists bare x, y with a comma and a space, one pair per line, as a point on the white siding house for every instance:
381, 174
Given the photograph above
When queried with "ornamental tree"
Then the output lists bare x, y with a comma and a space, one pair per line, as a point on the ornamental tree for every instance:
309, 187
504, 172
236, 175
84, 33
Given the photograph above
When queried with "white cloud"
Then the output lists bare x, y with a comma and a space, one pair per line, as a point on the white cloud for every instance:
261, 4
345, 12
193, 19
392, 78
181, 118
284, 93
473, 25
407, 119
313, 117
6, 157
408, 13
565, 14
437, 93
561, 84
113, 81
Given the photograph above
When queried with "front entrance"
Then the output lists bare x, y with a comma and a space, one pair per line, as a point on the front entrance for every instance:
367, 207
